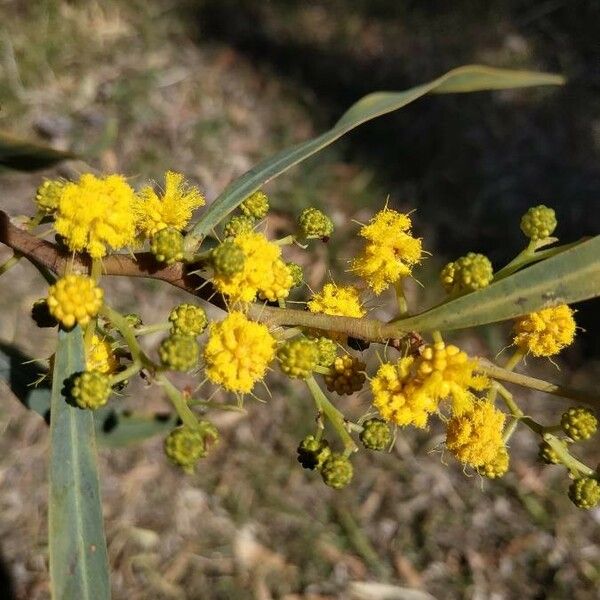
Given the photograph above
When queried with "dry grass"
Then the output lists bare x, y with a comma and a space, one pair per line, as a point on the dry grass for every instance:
123, 83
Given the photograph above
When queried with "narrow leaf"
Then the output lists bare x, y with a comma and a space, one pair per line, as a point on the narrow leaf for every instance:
22, 155
470, 78
78, 557
123, 429
568, 277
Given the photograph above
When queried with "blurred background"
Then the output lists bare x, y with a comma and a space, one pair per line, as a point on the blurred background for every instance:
211, 87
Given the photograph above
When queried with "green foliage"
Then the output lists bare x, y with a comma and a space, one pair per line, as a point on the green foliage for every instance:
77, 547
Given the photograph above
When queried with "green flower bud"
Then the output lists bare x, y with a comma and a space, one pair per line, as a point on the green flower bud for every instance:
313, 223
167, 245
256, 205
133, 320
579, 423
327, 351
237, 225
228, 259
498, 467
337, 471
312, 453
548, 455
184, 446
297, 274
538, 223
179, 352
188, 319
298, 357
468, 273
376, 434
585, 492
41, 314
90, 389
48, 195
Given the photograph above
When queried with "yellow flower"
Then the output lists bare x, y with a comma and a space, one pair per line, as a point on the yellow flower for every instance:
173, 209
475, 437
238, 352
74, 299
341, 300
100, 357
398, 398
546, 332
390, 252
408, 392
96, 213
264, 271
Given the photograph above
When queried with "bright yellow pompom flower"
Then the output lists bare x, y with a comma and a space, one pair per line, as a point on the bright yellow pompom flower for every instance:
475, 437
238, 352
173, 209
74, 299
100, 357
264, 273
546, 332
343, 300
96, 213
390, 251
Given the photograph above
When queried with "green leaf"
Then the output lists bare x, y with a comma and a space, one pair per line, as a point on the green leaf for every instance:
121, 428
470, 78
568, 277
78, 557
22, 155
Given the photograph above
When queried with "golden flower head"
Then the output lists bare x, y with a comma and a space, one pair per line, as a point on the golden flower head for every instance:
475, 437
173, 208
343, 300
238, 352
390, 251
264, 273
74, 299
96, 213
100, 356
546, 332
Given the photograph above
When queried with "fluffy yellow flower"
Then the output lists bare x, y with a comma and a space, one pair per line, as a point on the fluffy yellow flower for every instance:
96, 213
475, 437
397, 396
343, 300
173, 209
100, 357
409, 391
390, 252
238, 352
264, 271
546, 332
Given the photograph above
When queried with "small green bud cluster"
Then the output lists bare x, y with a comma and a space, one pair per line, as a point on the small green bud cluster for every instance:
40, 313
579, 423
538, 223
237, 225
468, 273
167, 245
497, 467
548, 455
376, 434
314, 223
184, 446
297, 274
90, 389
312, 453
327, 351
255, 206
584, 492
179, 352
188, 319
48, 195
298, 357
337, 471
228, 259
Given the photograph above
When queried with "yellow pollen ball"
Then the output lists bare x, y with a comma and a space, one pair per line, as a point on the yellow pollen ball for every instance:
238, 352
74, 299
100, 357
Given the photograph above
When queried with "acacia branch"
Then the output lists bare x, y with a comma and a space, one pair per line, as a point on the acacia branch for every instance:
143, 264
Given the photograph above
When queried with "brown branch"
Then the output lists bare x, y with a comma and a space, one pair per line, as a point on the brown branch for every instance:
143, 264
